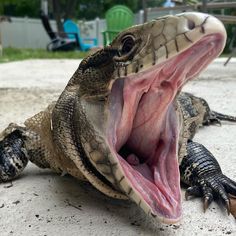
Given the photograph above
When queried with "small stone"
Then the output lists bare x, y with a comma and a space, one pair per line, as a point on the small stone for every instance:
16, 202
135, 223
175, 226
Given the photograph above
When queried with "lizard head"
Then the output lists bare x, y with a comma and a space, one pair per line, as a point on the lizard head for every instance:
127, 96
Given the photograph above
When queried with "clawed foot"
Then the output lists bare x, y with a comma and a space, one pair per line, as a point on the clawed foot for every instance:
213, 187
215, 118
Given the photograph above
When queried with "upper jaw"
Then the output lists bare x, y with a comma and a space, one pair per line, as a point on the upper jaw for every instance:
163, 39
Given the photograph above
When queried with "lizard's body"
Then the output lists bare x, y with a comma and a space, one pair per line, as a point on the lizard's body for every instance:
123, 134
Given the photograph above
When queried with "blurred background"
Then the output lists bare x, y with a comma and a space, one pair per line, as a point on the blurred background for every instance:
69, 29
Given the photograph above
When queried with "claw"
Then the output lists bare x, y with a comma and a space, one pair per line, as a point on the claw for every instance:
207, 196
207, 201
206, 204
186, 195
232, 201
227, 207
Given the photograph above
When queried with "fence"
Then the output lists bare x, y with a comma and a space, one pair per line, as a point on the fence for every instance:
29, 33
24, 33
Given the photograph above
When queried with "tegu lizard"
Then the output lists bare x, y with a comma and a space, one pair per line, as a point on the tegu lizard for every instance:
123, 124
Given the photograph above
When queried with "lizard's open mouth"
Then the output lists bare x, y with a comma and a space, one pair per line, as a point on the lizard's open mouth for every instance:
143, 128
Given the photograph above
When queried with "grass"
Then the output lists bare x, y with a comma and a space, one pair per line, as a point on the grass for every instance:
16, 54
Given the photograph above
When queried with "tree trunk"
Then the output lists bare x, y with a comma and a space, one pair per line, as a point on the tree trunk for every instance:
70, 9
63, 11
56, 5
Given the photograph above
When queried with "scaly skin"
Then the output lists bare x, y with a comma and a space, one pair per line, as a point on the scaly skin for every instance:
70, 136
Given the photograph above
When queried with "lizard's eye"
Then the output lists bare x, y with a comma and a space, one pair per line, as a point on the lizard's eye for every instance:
127, 49
128, 42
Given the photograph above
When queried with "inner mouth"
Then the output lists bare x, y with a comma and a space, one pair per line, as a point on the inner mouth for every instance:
144, 128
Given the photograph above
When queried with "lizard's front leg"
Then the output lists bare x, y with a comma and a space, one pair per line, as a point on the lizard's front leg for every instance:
202, 172
13, 155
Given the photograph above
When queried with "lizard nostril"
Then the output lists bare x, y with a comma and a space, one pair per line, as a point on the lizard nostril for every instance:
191, 24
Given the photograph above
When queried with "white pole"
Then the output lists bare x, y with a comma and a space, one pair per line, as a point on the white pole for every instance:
44, 6
97, 29
1, 48
141, 16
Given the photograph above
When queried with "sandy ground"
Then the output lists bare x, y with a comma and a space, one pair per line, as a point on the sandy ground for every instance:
43, 203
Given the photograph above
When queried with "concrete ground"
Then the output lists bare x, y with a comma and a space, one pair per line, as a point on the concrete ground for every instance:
43, 203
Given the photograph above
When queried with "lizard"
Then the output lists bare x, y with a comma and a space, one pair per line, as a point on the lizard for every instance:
123, 124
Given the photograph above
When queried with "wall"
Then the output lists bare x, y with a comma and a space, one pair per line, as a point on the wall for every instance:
29, 33
24, 33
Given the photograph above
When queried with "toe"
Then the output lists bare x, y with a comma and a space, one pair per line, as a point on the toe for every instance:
193, 191
207, 197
